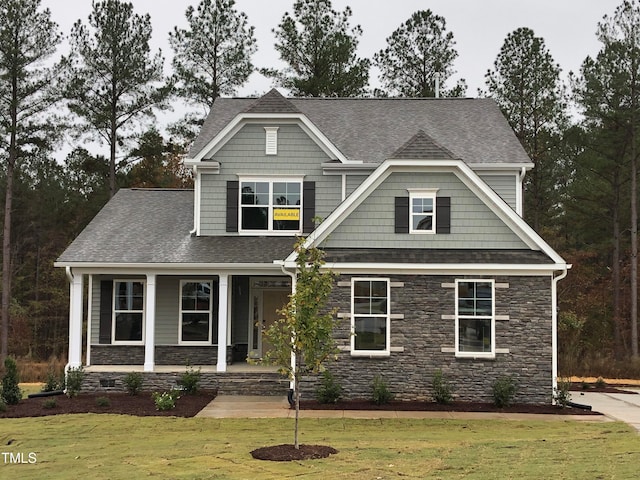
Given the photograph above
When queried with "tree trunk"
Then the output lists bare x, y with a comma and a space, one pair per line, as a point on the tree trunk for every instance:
619, 345
634, 246
296, 392
6, 259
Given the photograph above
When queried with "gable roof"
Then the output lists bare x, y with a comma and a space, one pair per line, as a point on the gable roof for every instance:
370, 130
422, 145
151, 226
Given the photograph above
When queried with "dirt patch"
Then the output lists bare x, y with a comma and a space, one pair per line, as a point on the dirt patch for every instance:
118, 403
580, 387
406, 406
288, 453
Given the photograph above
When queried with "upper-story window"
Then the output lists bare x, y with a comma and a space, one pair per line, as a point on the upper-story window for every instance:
271, 205
422, 211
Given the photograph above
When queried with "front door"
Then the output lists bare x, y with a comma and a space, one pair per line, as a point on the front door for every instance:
265, 305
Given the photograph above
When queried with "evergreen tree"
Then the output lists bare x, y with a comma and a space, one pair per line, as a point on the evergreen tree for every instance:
28, 37
609, 93
113, 80
213, 56
320, 49
525, 82
419, 55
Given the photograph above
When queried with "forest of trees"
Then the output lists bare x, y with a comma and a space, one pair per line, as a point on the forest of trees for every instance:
582, 135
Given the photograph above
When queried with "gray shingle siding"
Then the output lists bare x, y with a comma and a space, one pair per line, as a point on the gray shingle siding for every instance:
503, 185
473, 224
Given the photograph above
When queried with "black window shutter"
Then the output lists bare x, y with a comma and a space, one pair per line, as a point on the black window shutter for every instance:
233, 193
402, 215
443, 214
308, 206
106, 296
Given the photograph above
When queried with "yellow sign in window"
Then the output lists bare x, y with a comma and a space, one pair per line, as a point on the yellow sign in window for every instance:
286, 214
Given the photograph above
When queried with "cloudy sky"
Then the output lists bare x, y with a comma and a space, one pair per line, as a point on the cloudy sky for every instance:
479, 27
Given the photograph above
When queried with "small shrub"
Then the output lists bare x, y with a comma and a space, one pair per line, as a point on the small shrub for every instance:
165, 400
441, 389
133, 382
600, 383
53, 382
585, 386
75, 377
561, 393
190, 381
381, 393
11, 393
504, 390
50, 403
330, 390
3, 405
103, 402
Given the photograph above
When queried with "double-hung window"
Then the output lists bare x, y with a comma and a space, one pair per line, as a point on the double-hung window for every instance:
128, 311
271, 205
422, 211
196, 311
475, 318
370, 316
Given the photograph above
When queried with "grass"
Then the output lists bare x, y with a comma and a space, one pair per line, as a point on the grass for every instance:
115, 446
28, 388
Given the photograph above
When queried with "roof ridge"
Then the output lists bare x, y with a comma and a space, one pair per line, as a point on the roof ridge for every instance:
272, 102
421, 145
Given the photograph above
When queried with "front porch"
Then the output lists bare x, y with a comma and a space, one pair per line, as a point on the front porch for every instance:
239, 379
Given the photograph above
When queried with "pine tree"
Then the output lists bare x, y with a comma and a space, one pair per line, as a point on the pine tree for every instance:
320, 49
28, 37
112, 78
419, 54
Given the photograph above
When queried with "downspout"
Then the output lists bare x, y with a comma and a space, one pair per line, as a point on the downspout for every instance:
293, 291
554, 329
196, 201
69, 274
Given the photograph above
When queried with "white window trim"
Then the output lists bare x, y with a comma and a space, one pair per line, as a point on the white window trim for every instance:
422, 193
181, 311
370, 353
271, 141
271, 179
492, 353
114, 311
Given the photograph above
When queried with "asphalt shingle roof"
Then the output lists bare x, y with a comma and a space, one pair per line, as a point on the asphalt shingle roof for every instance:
152, 226
373, 129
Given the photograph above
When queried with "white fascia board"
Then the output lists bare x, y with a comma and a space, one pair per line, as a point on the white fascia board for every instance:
208, 165
497, 167
242, 119
463, 172
329, 168
170, 268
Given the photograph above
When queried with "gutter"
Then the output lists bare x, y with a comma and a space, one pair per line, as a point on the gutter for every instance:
293, 291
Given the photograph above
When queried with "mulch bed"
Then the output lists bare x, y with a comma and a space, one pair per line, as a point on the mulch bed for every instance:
436, 407
288, 452
119, 403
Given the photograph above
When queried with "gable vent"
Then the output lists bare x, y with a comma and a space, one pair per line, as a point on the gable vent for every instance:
271, 146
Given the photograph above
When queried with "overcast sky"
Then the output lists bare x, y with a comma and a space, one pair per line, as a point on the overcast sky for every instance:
479, 28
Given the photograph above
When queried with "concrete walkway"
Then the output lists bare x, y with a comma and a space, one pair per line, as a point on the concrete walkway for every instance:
232, 406
624, 407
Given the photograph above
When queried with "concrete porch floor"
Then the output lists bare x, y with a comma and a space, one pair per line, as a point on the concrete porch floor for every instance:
234, 368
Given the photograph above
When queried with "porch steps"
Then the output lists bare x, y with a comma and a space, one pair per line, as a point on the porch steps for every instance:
262, 384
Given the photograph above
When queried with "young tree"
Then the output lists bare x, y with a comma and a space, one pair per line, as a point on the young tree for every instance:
610, 96
28, 37
320, 49
417, 53
304, 330
113, 80
525, 82
213, 56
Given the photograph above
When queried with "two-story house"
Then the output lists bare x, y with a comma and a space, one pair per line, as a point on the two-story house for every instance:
420, 202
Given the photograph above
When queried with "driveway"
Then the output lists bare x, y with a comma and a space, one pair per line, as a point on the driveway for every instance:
624, 407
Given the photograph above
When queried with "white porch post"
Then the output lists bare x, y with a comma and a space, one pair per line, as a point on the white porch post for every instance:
150, 324
223, 313
75, 320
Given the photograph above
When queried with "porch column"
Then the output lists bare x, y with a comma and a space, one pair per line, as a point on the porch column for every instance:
223, 314
75, 321
150, 324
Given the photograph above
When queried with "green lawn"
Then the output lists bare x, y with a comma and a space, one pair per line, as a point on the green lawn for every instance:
115, 446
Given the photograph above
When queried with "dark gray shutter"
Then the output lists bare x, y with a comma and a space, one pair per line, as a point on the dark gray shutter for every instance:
106, 303
308, 206
402, 215
233, 193
443, 215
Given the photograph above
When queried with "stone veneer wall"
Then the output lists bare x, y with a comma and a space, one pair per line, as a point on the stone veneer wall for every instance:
164, 355
428, 306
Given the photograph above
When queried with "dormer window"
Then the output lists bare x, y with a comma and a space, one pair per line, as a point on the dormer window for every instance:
422, 214
271, 205
271, 144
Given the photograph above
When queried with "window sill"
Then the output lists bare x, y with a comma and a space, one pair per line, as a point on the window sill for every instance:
476, 356
371, 354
